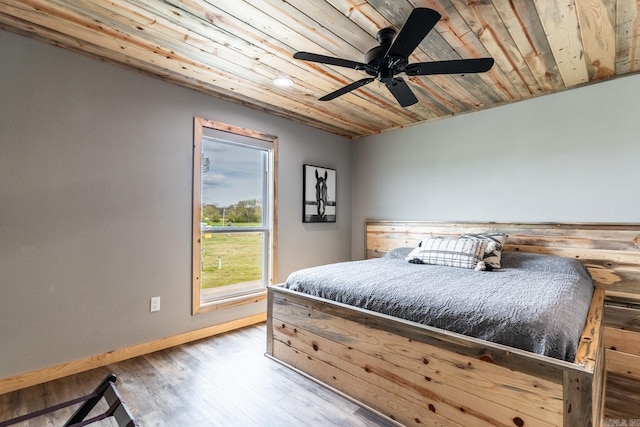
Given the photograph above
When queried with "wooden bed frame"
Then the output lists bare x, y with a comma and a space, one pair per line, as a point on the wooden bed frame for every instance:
419, 375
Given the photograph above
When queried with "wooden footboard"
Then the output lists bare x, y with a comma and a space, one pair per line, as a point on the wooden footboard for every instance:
419, 375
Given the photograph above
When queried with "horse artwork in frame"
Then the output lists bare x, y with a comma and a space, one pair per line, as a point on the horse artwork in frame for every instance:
319, 194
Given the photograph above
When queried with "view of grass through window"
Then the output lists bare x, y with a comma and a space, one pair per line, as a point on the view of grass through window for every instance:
229, 259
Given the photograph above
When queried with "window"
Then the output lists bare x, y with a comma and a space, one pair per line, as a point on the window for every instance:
233, 215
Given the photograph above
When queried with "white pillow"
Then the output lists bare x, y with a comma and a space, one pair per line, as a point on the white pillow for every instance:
450, 252
493, 251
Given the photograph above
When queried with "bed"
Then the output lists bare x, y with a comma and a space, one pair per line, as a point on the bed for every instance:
534, 302
419, 374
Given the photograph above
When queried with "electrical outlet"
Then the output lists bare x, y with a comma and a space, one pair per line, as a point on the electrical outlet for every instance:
155, 304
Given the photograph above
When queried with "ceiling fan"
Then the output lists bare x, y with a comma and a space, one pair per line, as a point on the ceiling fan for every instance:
384, 62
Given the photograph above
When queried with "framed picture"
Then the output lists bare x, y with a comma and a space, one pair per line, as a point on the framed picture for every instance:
318, 194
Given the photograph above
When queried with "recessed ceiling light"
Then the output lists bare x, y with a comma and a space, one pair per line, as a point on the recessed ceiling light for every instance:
283, 81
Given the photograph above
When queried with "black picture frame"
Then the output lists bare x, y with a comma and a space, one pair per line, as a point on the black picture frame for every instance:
318, 194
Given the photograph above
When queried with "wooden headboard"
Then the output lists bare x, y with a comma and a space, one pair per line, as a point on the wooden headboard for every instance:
611, 252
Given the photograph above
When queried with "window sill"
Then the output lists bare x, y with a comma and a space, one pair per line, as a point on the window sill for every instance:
231, 302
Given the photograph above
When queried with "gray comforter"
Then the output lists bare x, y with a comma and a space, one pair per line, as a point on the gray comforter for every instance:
537, 303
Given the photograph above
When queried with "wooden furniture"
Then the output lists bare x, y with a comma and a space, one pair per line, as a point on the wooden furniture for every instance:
622, 343
106, 389
622, 336
419, 375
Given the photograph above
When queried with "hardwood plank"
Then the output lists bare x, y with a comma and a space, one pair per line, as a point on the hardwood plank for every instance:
627, 36
334, 28
219, 381
538, 366
58, 371
483, 18
496, 80
45, 35
621, 340
599, 385
83, 27
560, 23
623, 400
453, 32
622, 317
63, 22
244, 22
394, 406
523, 24
429, 376
578, 393
234, 49
597, 20
604, 236
624, 364
590, 345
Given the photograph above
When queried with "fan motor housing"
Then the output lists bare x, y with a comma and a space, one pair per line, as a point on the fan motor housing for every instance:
380, 65
385, 36
375, 54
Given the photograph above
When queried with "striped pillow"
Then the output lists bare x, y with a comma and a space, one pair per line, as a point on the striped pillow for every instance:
450, 252
493, 251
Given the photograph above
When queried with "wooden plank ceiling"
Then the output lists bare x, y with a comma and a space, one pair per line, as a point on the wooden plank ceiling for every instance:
234, 49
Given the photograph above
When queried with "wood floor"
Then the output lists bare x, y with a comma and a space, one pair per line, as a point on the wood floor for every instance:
227, 381
221, 381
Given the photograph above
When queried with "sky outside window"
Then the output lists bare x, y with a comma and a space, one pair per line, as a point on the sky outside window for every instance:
234, 173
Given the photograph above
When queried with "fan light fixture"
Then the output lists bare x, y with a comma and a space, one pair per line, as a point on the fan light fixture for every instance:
283, 81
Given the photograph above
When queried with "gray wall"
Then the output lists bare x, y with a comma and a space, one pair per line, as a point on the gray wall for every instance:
95, 204
568, 157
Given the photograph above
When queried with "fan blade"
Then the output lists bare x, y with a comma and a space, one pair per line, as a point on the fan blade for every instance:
415, 29
314, 57
456, 66
346, 89
401, 92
